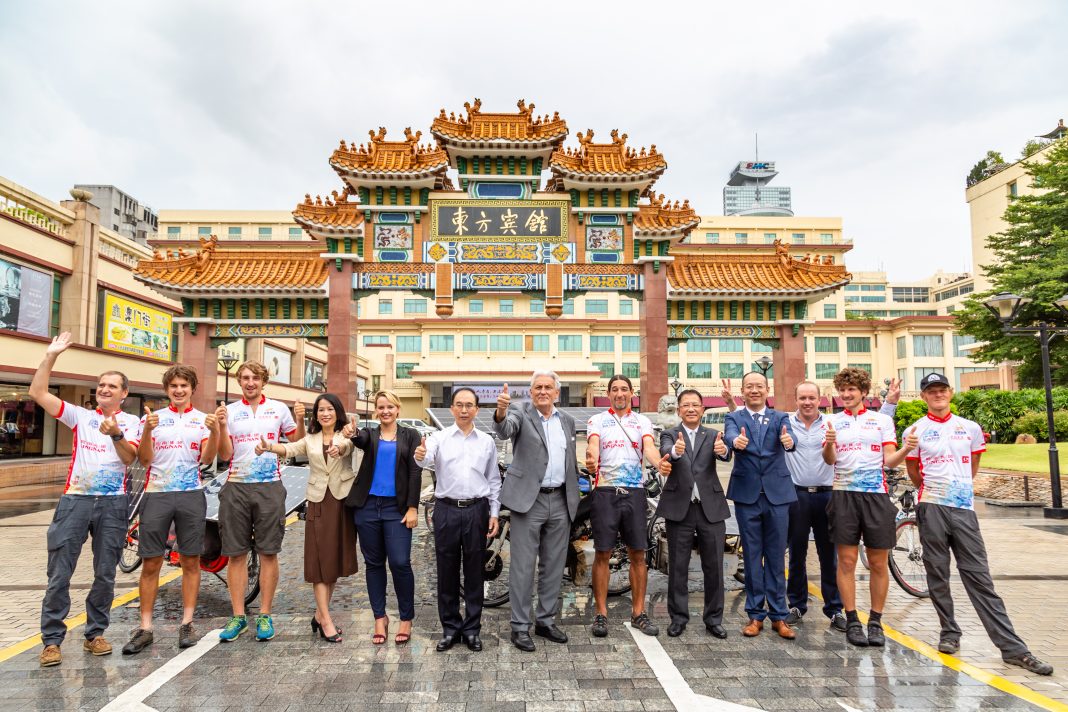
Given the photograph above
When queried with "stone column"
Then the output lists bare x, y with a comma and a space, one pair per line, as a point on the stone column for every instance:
652, 328
789, 362
196, 350
78, 305
341, 336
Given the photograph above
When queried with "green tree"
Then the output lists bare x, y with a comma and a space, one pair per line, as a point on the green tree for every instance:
1032, 147
979, 170
1031, 261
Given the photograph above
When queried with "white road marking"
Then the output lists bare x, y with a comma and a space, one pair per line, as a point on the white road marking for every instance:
847, 707
678, 690
132, 700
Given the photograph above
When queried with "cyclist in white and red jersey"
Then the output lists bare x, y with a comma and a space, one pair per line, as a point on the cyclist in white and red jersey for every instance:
252, 503
175, 442
93, 503
860, 443
943, 466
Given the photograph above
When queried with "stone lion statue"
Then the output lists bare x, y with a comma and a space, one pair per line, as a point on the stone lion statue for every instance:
667, 413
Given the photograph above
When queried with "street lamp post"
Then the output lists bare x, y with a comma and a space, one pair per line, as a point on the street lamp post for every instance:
1006, 307
675, 386
764, 364
227, 363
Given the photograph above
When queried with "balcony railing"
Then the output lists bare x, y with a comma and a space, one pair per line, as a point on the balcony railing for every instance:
31, 216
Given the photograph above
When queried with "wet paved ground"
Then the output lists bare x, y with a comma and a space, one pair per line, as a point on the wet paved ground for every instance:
297, 671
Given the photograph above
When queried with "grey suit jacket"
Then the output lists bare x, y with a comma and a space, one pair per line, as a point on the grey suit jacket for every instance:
696, 464
530, 458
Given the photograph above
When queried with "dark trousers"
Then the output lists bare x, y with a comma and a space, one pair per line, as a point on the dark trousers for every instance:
950, 529
76, 517
763, 526
680, 539
459, 543
384, 538
809, 513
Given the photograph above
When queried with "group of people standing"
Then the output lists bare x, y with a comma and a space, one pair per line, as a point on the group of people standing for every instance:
793, 474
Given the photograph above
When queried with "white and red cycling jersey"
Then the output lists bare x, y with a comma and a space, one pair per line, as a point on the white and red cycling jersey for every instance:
177, 443
246, 427
945, 453
622, 453
95, 467
859, 441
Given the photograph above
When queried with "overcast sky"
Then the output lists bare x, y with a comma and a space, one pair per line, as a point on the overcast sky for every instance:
873, 112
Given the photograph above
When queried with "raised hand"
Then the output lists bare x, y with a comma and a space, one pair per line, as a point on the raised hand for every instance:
333, 451
720, 448
503, 401
262, 446
725, 394
785, 439
298, 411
211, 422
680, 446
893, 391
59, 344
109, 427
151, 419
829, 436
664, 466
912, 441
220, 414
591, 462
420, 452
741, 442
349, 429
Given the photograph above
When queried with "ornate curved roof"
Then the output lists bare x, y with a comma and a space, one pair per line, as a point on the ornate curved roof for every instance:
335, 215
389, 159
658, 217
478, 126
607, 160
753, 275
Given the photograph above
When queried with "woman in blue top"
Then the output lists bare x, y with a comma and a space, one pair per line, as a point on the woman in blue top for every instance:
385, 500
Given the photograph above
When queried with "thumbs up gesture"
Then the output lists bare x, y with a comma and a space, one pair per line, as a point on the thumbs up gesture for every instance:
151, 419
298, 411
349, 429
262, 446
829, 436
503, 401
333, 451
220, 414
109, 426
680, 446
912, 441
741, 442
664, 466
720, 448
420, 452
785, 439
211, 422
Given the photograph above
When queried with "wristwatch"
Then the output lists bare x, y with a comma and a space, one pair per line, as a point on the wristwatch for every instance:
118, 437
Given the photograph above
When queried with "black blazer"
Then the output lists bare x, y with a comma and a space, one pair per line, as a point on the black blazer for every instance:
409, 474
698, 464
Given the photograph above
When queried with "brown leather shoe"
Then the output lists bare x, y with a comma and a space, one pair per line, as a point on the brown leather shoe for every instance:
50, 656
753, 629
97, 646
783, 629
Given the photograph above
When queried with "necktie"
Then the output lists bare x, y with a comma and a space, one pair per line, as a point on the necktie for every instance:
693, 444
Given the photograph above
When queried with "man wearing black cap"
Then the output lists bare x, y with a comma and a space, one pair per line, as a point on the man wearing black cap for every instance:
943, 466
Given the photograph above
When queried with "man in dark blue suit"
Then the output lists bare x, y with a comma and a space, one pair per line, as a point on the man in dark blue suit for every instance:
762, 491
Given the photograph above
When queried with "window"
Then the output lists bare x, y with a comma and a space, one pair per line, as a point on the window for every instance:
233, 233
769, 238
474, 343
903, 376
266, 233
730, 346
923, 371
57, 288
960, 340
759, 348
380, 340
830, 311
607, 369
826, 370
538, 343
861, 366
506, 342
409, 344
698, 370
442, 343
602, 344
1014, 192
204, 231
731, 370
596, 306
569, 306
385, 306
961, 370
712, 238
911, 294
927, 345
798, 238
295, 233
858, 344
174, 233
631, 369
569, 342
632, 344
404, 370
901, 347
626, 307
537, 307
699, 346
415, 306
826, 344
673, 370
507, 306
826, 238
741, 237
673, 347
474, 306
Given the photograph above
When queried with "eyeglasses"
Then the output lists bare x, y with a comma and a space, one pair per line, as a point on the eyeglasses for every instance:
465, 406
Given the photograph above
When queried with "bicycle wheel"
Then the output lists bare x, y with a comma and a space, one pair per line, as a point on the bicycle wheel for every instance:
863, 556
497, 567
619, 571
252, 589
906, 559
428, 516
656, 556
130, 559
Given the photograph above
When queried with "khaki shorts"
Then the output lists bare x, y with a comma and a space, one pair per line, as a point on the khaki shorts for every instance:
186, 510
252, 514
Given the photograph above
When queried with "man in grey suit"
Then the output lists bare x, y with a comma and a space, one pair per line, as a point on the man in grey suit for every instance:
541, 491
694, 506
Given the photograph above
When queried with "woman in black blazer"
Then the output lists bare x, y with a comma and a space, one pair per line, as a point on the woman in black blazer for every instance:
385, 500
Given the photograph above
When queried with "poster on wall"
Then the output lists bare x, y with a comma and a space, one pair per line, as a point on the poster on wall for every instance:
314, 375
25, 299
279, 364
133, 328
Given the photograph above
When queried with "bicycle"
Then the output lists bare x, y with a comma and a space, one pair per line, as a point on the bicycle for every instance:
906, 557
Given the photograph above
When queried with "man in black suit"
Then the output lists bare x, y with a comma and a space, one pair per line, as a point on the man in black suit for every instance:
694, 506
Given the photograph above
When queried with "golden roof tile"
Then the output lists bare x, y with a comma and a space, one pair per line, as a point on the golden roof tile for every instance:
615, 158
335, 212
390, 157
480, 126
752, 274
660, 217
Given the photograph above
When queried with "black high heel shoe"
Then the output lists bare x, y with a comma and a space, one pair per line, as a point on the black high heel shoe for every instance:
317, 627
335, 638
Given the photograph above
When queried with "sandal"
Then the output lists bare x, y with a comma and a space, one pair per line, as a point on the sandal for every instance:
380, 638
402, 638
